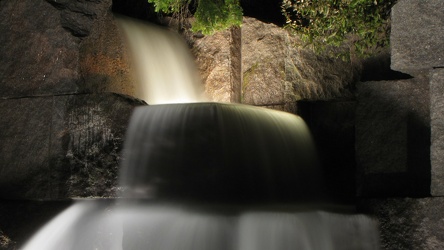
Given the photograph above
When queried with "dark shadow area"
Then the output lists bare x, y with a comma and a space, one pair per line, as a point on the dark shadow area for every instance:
268, 11
139, 9
19, 219
265, 10
377, 68
393, 139
416, 179
332, 125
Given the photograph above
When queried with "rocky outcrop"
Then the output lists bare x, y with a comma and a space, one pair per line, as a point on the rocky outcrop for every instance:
275, 68
402, 154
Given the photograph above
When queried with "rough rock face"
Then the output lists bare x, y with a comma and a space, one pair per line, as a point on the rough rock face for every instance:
62, 146
57, 47
416, 35
103, 59
56, 142
407, 223
275, 70
38, 56
393, 137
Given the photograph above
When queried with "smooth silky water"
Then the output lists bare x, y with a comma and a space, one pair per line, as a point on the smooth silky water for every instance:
206, 176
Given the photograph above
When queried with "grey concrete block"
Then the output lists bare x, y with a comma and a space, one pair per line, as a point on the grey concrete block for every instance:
393, 138
437, 131
417, 35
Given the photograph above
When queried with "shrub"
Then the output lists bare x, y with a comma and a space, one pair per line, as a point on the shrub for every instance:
210, 15
340, 27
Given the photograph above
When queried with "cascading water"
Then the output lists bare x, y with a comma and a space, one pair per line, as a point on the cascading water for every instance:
210, 176
165, 71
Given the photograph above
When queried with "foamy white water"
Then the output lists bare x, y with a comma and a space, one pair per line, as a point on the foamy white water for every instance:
166, 72
88, 226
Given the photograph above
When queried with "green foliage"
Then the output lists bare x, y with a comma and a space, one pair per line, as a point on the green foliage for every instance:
340, 27
210, 15
169, 6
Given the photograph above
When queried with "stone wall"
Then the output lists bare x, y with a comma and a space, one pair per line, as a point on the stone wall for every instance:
65, 82
399, 133
59, 47
62, 127
393, 138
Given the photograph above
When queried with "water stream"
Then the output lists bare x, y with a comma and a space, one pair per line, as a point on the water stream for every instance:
207, 176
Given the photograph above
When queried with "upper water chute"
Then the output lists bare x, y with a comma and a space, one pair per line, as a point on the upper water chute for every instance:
219, 152
164, 67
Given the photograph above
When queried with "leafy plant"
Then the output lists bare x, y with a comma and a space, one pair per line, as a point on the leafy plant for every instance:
340, 27
210, 15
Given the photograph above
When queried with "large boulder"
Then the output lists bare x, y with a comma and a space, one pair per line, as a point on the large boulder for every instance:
275, 69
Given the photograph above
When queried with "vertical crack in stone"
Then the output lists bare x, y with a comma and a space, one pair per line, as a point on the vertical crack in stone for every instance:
235, 64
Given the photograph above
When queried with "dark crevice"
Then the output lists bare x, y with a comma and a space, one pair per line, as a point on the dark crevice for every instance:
139, 9
377, 68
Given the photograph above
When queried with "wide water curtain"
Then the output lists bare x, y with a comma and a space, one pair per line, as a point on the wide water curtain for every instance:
220, 152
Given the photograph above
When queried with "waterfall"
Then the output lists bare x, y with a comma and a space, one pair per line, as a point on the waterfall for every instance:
208, 176
165, 69
219, 152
